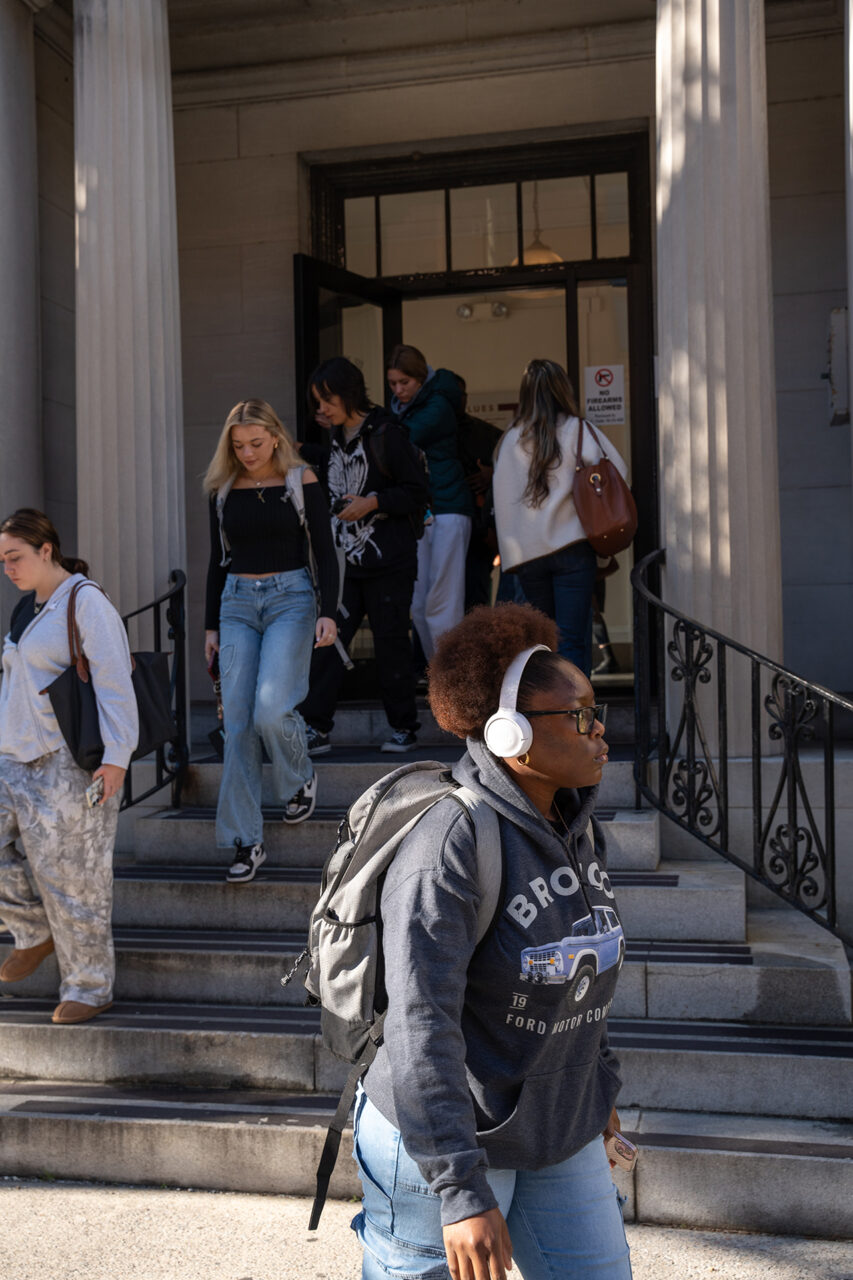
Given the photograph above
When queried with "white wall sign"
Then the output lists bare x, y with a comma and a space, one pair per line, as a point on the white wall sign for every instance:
604, 393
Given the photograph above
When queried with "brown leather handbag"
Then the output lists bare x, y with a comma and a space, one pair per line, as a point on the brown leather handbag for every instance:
603, 501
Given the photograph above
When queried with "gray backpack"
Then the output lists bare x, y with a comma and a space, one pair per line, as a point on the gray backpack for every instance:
344, 940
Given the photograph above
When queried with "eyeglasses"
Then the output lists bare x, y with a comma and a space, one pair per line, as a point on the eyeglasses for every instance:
584, 716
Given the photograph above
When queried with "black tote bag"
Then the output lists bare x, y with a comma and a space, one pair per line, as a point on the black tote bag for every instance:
72, 697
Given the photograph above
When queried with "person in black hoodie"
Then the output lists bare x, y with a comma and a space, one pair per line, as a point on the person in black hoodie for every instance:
479, 1128
376, 486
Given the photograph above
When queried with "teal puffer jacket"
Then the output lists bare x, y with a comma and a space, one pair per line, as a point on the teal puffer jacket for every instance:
431, 420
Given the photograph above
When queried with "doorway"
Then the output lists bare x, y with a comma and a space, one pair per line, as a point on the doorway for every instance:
483, 260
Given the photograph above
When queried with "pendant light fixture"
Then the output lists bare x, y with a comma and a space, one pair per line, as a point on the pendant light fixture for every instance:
536, 253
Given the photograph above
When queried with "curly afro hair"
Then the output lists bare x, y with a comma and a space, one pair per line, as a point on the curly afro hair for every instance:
470, 661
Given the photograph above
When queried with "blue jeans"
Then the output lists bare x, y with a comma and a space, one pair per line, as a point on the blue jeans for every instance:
564, 1221
561, 584
266, 637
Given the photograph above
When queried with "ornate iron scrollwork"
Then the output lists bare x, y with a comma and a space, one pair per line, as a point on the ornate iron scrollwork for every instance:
691, 779
791, 854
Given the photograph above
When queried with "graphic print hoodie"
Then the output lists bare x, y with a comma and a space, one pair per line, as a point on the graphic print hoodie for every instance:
497, 1055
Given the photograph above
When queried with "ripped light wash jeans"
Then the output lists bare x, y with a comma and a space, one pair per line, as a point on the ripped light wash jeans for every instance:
266, 638
564, 1221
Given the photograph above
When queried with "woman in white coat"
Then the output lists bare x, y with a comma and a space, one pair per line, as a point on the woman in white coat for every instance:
540, 537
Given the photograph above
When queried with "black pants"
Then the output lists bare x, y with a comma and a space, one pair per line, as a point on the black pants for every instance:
478, 571
387, 601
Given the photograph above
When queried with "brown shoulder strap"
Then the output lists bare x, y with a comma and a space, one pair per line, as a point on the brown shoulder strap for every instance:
595, 437
578, 455
75, 644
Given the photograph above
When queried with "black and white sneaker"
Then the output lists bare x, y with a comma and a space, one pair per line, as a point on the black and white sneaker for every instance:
301, 806
402, 740
247, 859
318, 743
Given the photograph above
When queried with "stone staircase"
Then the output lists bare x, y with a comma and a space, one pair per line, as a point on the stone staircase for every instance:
732, 1021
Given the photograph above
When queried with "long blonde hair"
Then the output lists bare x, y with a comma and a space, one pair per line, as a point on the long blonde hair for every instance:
224, 465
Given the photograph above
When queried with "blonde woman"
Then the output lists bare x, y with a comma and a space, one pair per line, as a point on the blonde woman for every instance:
261, 619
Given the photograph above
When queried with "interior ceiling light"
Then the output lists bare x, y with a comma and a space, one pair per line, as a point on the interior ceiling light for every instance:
537, 254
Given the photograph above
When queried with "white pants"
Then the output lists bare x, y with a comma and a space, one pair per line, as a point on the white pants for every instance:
439, 599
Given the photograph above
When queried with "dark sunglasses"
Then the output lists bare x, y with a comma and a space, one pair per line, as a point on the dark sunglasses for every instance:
585, 717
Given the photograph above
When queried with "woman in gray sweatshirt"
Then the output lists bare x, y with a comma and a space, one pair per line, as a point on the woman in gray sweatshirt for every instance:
68, 842
479, 1130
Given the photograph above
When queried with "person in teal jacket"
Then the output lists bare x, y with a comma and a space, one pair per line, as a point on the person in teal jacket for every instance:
427, 404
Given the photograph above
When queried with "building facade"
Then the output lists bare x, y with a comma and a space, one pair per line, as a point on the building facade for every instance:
198, 200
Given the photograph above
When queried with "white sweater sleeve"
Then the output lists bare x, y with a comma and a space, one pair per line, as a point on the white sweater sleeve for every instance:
105, 645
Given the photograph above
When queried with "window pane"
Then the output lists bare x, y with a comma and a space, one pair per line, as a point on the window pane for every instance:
360, 232
482, 226
353, 328
412, 232
556, 220
613, 239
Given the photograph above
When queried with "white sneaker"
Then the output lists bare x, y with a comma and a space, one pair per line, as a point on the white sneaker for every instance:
246, 862
301, 806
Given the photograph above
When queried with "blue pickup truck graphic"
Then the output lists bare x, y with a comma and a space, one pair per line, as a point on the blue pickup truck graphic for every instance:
596, 944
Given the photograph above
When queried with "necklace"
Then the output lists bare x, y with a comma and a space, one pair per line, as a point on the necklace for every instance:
260, 487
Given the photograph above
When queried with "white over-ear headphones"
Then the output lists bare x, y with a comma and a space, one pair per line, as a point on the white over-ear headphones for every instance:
508, 732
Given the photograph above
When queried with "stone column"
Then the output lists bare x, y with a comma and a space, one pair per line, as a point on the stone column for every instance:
717, 412
848, 183
129, 418
20, 392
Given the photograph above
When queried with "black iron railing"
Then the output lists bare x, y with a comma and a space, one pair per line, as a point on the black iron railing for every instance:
780, 826
146, 627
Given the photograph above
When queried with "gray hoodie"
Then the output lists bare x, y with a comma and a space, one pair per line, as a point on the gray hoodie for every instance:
497, 1055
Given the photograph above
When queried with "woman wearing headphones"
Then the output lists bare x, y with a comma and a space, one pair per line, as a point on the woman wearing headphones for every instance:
479, 1130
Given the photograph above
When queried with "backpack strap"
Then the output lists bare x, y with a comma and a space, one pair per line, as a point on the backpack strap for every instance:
293, 490
332, 1145
490, 869
220, 496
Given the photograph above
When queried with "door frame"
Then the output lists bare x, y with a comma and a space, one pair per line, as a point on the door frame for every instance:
310, 275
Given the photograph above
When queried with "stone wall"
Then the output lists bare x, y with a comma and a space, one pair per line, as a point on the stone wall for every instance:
806, 133
55, 119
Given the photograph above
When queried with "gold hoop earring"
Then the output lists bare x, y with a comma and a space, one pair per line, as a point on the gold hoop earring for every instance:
525, 759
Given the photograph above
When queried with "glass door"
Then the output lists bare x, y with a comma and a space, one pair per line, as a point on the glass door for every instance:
339, 313
610, 362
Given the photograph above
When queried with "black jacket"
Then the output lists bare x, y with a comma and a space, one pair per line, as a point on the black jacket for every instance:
377, 460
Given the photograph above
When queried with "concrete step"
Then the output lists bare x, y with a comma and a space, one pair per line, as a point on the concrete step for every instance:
735, 1068
695, 1169
365, 723
187, 836
213, 965
684, 901
227, 1140
160, 1042
165, 895
729, 1067
349, 770
216, 963
789, 971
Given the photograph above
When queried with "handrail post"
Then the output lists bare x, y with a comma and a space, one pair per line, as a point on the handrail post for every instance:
171, 760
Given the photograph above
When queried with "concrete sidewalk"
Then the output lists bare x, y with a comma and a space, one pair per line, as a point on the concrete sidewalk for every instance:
76, 1231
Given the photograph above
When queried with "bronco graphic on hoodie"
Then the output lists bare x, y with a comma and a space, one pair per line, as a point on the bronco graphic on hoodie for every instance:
497, 1054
